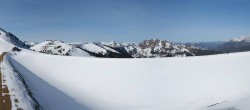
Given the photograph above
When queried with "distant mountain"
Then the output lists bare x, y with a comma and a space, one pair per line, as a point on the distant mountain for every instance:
147, 49
161, 48
205, 45
30, 44
239, 44
158, 48
77, 49
59, 48
101, 50
241, 39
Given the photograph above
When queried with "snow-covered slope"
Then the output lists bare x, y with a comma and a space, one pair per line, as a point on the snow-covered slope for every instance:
93, 48
101, 50
193, 83
12, 39
5, 46
8, 41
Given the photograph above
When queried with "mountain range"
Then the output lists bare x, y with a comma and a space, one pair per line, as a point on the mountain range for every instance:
146, 49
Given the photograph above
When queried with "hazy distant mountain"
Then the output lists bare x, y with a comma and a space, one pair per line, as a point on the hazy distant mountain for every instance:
239, 44
206, 45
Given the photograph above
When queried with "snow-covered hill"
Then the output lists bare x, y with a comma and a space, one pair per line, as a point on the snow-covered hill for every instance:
219, 82
59, 48
52, 47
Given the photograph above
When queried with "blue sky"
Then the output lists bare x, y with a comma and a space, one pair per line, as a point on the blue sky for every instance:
126, 20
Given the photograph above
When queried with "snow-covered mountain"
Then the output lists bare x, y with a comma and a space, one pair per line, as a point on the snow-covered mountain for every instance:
8, 41
12, 39
151, 48
241, 39
100, 50
147, 49
162, 48
77, 49
59, 48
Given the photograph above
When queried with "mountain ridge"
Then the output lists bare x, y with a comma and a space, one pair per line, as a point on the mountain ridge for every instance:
150, 48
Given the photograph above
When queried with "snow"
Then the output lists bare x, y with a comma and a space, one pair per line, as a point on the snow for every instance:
4, 36
78, 52
11, 39
93, 48
30, 44
109, 49
206, 82
59, 48
112, 44
5, 46
146, 52
54, 47
49, 97
16, 87
38, 47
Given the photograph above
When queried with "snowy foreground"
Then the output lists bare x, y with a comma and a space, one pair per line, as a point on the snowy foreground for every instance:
218, 82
